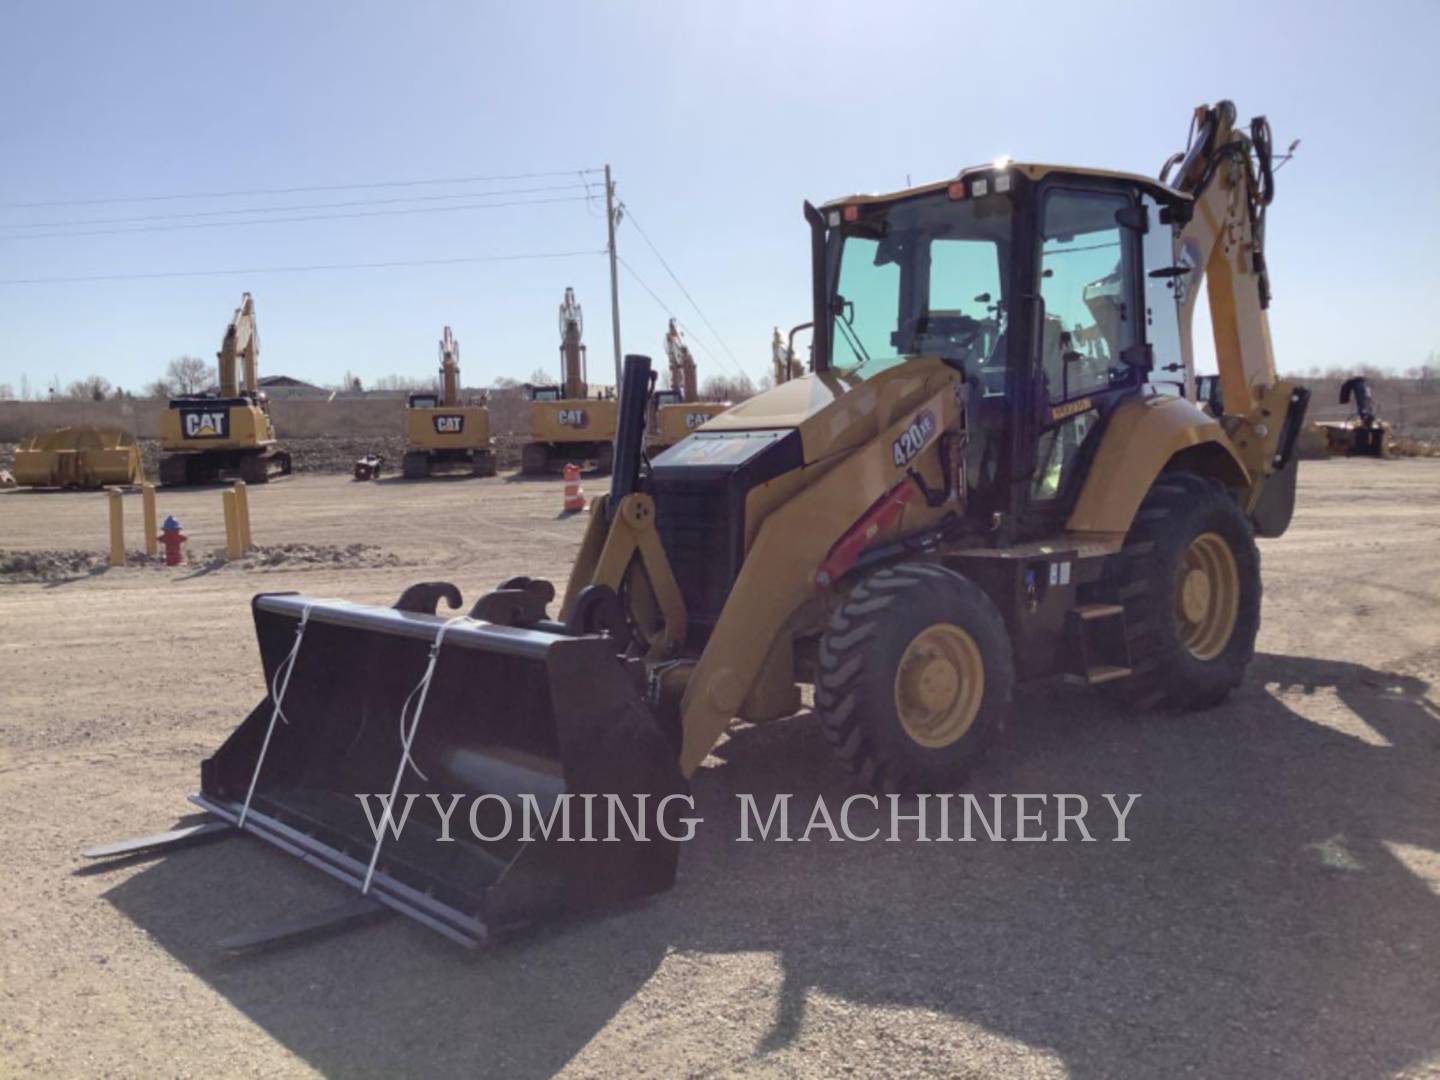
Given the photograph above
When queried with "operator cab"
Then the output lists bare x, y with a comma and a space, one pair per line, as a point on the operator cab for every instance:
423, 401
1052, 291
542, 393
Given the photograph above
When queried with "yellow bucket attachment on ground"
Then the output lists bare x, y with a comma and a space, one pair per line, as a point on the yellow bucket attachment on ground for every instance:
78, 457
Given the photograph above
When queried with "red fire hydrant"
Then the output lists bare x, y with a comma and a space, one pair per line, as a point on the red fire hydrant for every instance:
172, 538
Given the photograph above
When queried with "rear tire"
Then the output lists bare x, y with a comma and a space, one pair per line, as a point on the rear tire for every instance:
1190, 583
915, 678
482, 463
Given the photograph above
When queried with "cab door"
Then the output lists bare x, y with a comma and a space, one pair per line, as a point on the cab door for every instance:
1088, 339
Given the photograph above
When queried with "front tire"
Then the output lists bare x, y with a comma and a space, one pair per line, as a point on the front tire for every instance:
1190, 584
915, 678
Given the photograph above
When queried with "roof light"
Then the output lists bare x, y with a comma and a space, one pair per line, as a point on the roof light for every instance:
1002, 182
852, 212
957, 189
979, 188
833, 218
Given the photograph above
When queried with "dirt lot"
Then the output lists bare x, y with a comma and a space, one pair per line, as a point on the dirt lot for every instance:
1276, 913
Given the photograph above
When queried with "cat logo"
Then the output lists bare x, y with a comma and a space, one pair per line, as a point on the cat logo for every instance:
575, 418
695, 419
449, 425
205, 423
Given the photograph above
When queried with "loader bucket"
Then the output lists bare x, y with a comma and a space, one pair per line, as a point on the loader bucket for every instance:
514, 722
81, 456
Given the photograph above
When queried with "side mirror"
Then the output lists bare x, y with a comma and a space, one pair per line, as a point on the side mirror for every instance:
1133, 217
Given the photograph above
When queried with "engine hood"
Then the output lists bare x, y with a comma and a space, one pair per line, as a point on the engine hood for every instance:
835, 411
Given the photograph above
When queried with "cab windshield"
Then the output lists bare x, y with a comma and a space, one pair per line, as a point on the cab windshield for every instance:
921, 277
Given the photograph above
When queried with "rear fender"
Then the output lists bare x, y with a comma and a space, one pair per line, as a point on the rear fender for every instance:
1143, 437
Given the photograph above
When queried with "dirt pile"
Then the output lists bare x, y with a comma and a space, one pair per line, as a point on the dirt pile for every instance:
57, 564
311, 556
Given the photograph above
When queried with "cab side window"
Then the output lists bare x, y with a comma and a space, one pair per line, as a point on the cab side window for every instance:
1086, 272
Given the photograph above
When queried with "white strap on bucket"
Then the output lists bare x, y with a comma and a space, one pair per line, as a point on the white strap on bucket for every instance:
407, 737
282, 676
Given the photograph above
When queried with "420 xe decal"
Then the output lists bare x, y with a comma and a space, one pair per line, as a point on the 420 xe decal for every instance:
914, 438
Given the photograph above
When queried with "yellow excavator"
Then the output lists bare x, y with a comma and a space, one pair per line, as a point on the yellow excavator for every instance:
227, 434
678, 410
442, 433
976, 485
567, 425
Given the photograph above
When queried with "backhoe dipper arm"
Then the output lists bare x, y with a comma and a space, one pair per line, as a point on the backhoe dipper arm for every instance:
1229, 174
449, 370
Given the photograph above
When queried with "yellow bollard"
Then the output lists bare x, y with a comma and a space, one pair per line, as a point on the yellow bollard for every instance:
242, 506
117, 528
232, 524
152, 538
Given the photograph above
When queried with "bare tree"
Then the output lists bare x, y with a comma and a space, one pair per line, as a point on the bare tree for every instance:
91, 388
402, 382
160, 388
188, 375
24, 387
727, 388
7, 392
541, 377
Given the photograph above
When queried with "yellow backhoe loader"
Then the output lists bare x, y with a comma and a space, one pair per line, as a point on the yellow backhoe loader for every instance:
678, 410
227, 434
567, 425
443, 434
78, 457
975, 485
1364, 434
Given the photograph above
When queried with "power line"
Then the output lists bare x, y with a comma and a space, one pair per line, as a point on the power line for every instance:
303, 269
666, 308
287, 220
297, 190
297, 206
675, 278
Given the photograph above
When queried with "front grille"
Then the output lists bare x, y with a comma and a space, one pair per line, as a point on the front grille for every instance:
702, 541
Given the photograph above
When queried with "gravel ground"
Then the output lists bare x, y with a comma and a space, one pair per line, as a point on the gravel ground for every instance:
1275, 913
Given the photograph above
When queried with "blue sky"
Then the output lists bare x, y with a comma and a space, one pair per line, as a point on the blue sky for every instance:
718, 119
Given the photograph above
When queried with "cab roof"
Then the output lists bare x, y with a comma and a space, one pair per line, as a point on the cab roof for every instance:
1030, 170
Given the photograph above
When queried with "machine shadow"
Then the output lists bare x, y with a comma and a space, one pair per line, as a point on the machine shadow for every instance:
1259, 920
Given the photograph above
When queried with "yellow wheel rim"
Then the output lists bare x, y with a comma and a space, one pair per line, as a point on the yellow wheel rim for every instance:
1207, 596
938, 685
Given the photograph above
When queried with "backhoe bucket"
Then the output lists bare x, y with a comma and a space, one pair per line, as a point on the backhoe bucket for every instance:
512, 731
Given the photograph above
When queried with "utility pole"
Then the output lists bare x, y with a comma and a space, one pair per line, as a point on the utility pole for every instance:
611, 220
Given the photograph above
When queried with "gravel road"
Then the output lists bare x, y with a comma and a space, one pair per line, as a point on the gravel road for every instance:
1276, 911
